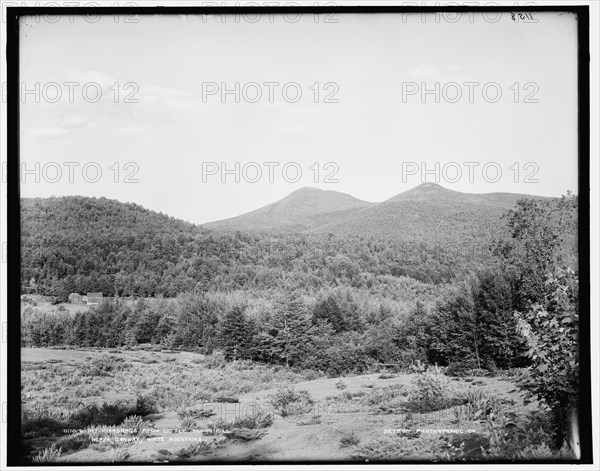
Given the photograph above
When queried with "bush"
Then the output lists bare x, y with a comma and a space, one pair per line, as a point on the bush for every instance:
40, 423
195, 413
225, 398
216, 360
109, 414
74, 442
103, 365
431, 391
379, 396
257, 421
246, 434
118, 455
136, 424
194, 450
145, 405
479, 404
48, 455
349, 439
188, 423
106, 414
287, 401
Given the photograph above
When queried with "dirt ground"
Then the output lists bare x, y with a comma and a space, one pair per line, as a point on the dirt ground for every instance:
312, 436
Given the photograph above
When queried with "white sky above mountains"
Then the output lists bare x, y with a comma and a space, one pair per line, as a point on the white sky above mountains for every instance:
175, 128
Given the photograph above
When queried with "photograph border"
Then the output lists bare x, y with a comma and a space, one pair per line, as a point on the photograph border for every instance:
14, 442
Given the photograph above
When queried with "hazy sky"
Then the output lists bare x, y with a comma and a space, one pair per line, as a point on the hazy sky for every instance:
171, 122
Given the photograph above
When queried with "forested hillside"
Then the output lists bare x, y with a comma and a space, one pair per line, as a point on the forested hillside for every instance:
78, 244
315, 301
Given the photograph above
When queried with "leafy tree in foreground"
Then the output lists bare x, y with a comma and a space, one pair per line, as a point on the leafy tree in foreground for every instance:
546, 302
551, 329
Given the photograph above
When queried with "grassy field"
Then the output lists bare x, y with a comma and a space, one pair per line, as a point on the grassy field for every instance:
141, 406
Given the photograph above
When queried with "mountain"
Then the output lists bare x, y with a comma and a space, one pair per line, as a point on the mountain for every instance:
304, 209
76, 244
79, 244
437, 194
428, 212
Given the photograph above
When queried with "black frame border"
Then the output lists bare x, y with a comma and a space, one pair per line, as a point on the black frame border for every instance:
14, 441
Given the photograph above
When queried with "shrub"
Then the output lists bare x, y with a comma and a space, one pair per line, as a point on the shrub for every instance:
103, 365
349, 439
341, 385
418, 367
225, 398
40, 422
257, 421
118, 455
136, 424
216, 360
188, 423
106, 414
430, 391
74, 442
48, 455
246, 434
479, 404
145, 405
196, 449
349, 396
195, 413
379, 396
513, 436
288, 401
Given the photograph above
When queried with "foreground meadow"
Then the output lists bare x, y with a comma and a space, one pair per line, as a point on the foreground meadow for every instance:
169, 406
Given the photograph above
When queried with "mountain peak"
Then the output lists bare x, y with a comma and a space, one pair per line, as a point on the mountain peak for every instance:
306, 191
430, 185
427, 187
302, 209
426, 190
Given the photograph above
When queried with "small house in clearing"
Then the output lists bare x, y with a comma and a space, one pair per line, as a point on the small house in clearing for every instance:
75, 298
94, 298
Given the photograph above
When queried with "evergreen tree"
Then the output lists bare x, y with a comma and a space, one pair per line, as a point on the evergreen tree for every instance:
236, 334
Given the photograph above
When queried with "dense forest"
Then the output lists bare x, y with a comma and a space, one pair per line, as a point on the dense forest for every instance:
309, 301
77, 244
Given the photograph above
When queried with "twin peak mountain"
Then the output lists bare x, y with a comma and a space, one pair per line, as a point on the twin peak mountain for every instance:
411, 214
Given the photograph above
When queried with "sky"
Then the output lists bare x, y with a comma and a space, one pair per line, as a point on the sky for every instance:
133, 108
